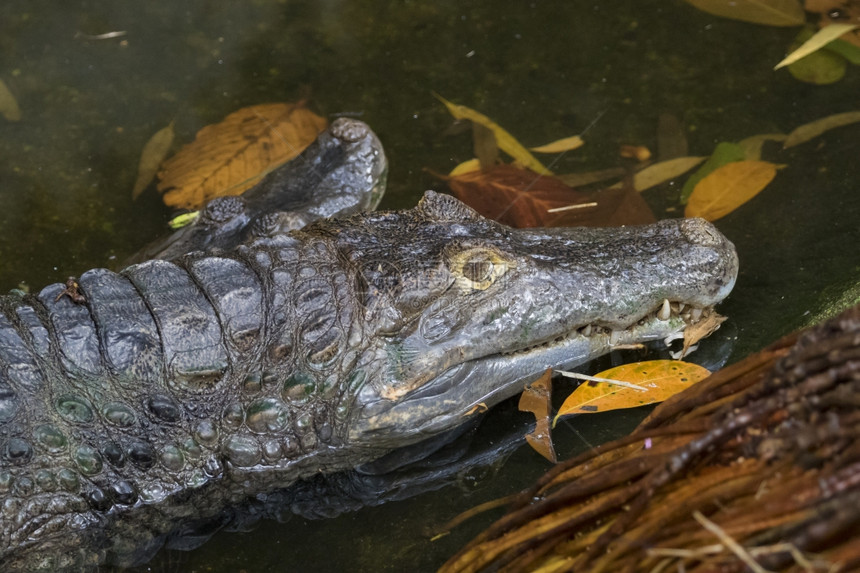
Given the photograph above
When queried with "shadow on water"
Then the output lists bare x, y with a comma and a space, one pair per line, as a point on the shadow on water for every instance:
544, 70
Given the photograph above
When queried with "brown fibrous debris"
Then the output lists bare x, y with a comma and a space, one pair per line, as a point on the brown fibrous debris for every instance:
760, 461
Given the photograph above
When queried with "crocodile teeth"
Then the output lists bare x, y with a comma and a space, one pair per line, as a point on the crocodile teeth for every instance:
614, 337
695, 314
665, 310
586, 331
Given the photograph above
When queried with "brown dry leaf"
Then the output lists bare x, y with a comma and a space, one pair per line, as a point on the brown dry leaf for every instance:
505, 140
813, 129
752, 145
701, 329
513, 196
231, 156
8, 104
661, 379
560, 145
151, 157
728, 187
671, 138
768, 12
522, 198
537, 399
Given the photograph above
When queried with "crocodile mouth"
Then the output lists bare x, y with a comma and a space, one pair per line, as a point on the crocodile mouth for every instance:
489, 379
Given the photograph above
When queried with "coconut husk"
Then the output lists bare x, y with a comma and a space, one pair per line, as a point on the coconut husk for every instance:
756, 468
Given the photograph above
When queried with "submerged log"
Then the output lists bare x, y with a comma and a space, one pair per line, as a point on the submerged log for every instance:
756, 468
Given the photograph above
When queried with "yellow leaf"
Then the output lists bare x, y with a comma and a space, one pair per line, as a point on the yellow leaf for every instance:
752, 145
820, 39
505, 140
768, 12
466, 167
537, 399
560, 145
663, 171
813, 129
728, 187
151, 157
231, 156
8, 104
660, 378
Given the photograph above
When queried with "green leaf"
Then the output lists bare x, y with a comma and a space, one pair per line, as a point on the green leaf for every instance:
820, 68
845, 49
723, 153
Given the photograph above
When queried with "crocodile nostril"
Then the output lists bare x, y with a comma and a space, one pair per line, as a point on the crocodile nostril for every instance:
701, 232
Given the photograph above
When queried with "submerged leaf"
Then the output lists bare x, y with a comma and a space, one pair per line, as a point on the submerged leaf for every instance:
671, 138
768, 12
560, 145
505, 140
660, 378
466, 167
537, 399
818, 40
231, 156
813, 129
728, 188
723, 153
154, 152
8, 104
819, 68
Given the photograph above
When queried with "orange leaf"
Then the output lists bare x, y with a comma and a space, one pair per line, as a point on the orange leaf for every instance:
229, 157
537, 399
661, 378
728, 187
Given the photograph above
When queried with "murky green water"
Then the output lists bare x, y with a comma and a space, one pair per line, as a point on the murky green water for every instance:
544, 70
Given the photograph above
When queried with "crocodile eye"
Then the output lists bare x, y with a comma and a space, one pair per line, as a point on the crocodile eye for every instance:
477, 268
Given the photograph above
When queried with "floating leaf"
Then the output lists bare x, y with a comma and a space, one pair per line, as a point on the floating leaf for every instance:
768, 12
522, 198
466, 167
752, 145
663, 171
513, 196
660, 378
537, 399
728, 188
182, 220
560, 145
8, 104
813, 129
154, 152
723, 153
505, 140
229, 157
818, 40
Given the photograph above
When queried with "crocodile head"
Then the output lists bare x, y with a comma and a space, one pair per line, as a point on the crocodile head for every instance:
460, 311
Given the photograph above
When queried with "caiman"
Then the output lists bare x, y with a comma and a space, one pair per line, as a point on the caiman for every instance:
131, 401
